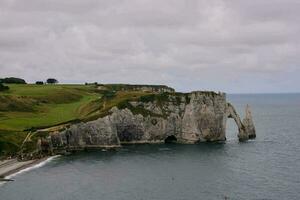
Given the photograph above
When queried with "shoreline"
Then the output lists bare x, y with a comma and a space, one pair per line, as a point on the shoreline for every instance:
13, 166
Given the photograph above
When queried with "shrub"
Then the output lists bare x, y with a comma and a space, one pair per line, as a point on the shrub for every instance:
52, 81
39, 83
3, 87
108, 94
13, 80
147, 98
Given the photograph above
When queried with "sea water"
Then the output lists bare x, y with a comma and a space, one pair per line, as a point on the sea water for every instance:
265, 168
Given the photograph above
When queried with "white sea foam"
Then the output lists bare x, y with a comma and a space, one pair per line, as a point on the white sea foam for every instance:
164, 149
33, 167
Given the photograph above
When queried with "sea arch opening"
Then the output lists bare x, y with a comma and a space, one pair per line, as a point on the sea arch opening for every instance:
231, 113
232, 130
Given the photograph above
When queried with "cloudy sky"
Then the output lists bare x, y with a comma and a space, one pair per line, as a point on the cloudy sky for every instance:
223, 45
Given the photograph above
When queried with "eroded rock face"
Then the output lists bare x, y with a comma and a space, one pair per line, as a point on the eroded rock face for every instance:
98, 133
186, 118
248, 123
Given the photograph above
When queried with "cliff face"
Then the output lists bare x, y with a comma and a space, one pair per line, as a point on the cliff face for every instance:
169, 117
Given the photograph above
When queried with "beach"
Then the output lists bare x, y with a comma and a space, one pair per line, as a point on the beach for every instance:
12, 166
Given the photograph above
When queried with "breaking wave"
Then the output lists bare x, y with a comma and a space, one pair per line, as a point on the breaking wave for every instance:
38, 165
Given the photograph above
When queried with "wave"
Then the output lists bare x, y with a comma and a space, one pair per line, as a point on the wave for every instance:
38, 165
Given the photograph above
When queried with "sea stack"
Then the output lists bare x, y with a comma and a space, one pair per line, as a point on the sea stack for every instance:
248, 123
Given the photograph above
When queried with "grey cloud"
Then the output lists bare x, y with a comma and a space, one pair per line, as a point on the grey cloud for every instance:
236, 46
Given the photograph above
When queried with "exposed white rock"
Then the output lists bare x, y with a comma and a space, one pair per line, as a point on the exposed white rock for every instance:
248, 123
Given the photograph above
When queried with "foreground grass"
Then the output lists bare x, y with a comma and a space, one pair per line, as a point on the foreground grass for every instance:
47, 115
33, 90
51, 104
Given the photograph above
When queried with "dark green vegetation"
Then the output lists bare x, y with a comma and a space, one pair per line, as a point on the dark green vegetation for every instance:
3, 87
39, 82
12, 80
52, 81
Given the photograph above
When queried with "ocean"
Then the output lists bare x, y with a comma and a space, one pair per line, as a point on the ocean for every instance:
265, 168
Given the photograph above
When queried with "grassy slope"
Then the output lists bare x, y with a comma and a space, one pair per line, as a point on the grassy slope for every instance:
30, 106
47, 115
51, 104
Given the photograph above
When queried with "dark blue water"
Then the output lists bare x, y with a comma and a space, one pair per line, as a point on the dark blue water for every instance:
265, 168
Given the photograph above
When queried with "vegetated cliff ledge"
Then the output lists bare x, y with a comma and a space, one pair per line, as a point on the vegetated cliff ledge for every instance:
155, 118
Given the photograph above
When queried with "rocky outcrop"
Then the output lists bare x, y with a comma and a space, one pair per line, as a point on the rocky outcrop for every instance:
171, 117
95, 134
248, 124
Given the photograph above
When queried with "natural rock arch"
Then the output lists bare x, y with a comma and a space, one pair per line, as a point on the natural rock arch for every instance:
246, 127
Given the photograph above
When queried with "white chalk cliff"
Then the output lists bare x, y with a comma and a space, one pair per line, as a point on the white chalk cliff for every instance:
182, 118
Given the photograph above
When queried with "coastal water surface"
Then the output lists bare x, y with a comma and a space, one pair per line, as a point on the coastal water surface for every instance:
265, 168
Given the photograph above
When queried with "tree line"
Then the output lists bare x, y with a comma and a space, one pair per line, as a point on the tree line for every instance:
14, 80
48, 81
10, 80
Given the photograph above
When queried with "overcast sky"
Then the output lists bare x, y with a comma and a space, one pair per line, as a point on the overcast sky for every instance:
224, 45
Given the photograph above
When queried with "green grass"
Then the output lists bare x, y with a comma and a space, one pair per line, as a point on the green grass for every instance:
50, 105
29, 106
47, 115
33, 90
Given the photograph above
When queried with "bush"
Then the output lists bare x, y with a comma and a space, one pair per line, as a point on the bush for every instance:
52, 81
3, 87
108, 94
13, 80
147, 98
39, 83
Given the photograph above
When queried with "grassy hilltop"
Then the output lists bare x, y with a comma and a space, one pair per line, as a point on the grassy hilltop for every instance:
28, 107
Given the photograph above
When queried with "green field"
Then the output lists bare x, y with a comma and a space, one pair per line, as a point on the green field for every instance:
28, 106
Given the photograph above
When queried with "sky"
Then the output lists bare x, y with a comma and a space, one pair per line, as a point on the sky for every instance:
222, 45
